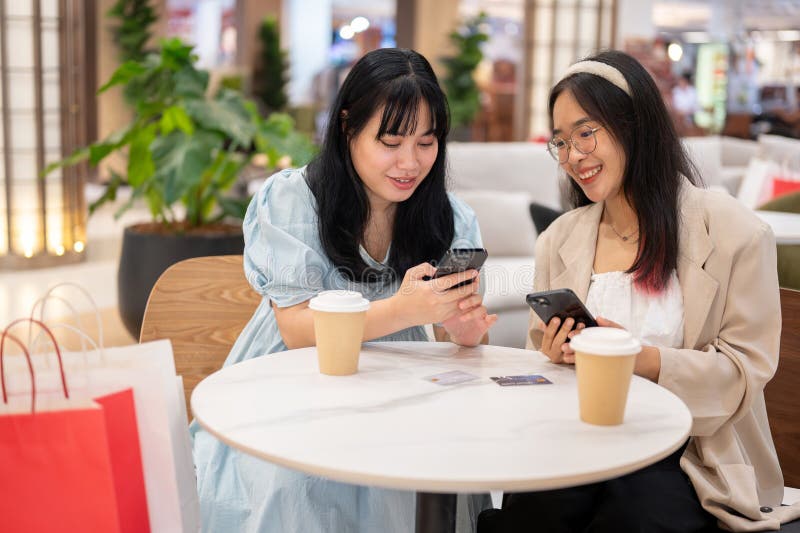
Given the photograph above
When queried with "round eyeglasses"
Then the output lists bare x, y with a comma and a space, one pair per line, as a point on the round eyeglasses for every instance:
582, 138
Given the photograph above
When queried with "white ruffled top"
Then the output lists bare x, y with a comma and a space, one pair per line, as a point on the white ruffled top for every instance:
655, 319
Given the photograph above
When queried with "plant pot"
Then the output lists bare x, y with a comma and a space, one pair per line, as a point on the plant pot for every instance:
148, 252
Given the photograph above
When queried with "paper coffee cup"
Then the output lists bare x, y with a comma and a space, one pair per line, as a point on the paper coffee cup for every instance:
339, 318
604, 360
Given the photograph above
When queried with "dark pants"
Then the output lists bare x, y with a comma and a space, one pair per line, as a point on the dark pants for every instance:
656, 499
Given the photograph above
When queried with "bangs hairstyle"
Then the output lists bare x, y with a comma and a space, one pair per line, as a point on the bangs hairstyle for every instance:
396, 83
655, 159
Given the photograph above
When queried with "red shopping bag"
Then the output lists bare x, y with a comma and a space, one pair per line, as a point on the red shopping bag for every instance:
126, 461
148, 370
784, 185
55, 468
124, 447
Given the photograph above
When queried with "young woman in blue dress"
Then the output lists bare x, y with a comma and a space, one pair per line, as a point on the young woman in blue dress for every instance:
369, 213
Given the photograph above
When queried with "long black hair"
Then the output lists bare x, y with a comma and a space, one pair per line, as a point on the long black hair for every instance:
655, 158
399, 81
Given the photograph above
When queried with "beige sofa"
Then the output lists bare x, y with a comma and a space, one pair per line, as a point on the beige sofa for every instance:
499, 181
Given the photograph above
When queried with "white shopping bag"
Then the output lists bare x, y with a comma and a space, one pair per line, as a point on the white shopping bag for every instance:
165, 443
756, 186
184, 465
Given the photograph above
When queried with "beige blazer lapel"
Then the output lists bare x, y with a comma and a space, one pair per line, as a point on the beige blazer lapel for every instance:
698, 288
577, 252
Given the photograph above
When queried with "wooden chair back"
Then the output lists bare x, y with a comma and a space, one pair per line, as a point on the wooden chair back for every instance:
783, 400
201, 305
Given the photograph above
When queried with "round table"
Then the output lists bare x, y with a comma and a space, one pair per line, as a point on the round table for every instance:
388, 426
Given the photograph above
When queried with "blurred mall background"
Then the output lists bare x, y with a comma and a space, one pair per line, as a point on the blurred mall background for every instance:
743, 55
729, 69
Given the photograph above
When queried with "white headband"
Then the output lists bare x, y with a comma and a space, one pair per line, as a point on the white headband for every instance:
604, 70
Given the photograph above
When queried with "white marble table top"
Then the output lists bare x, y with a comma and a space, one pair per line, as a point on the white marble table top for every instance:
387, 426
785, 226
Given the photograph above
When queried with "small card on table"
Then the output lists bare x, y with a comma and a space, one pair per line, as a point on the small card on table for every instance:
516, 381
452, 377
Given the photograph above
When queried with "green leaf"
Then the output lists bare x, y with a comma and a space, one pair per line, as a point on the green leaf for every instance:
225, 169
155, 201
140, 160
147, 110
207, 205
125, 73
181, 161
227, 115
109, 194
233, 207
75, 157
99, 150
277, 138
190, 82
175, 54
175, 117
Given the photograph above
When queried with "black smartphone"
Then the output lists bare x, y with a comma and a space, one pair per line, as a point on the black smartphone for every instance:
458, 260
561, 303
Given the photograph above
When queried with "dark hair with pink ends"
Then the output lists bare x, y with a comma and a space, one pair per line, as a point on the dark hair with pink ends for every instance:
656, 161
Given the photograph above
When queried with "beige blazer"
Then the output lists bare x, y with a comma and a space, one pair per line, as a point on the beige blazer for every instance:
728, 277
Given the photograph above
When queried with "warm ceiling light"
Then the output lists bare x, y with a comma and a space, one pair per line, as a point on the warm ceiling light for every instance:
359, 24
346, 32
675, 51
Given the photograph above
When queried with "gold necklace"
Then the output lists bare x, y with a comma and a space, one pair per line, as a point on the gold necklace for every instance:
624, 237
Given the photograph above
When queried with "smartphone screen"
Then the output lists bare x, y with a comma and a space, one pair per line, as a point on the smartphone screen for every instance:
460, 260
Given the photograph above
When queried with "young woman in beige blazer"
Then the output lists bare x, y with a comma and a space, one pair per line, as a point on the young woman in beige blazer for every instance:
640, 213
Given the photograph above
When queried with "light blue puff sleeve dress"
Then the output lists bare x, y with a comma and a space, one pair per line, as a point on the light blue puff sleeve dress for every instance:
285, 263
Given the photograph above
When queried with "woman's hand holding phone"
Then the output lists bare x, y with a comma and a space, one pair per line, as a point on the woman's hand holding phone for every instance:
565, 316
421, 301
554, 339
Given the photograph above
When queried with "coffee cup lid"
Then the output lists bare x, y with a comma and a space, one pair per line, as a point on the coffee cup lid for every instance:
606, 341
339, 302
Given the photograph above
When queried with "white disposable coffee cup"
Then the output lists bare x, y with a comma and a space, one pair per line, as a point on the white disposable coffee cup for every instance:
339, 318
604, 361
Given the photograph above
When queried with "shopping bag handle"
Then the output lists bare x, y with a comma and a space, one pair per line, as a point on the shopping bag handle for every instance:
30, 368
42, 302
84, 338
80, 333
55, 345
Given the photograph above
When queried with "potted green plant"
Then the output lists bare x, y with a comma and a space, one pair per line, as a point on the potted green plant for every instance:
463, 94
131, 23
270, 74
185, 150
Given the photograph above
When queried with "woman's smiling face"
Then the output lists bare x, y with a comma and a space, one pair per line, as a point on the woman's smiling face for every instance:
393, 166
600, 173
